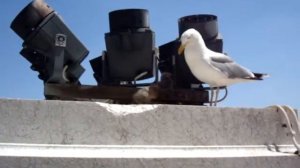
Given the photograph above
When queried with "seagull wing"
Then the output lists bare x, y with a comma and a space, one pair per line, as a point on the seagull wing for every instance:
231, 69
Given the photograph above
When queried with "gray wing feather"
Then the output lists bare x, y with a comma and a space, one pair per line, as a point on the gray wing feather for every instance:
233, 70
222, 59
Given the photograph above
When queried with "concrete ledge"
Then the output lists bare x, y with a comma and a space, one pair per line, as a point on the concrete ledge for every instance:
127, 151
90, 123
53, 134
70, 156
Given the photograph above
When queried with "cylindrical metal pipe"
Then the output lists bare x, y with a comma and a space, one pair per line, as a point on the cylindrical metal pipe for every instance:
30, 17
128, 19
206, 24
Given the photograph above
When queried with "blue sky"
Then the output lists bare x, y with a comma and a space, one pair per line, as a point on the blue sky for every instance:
263, 35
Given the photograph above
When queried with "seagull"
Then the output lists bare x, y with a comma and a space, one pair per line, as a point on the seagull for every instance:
213, 68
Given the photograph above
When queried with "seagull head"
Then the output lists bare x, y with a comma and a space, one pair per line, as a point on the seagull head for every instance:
188, 37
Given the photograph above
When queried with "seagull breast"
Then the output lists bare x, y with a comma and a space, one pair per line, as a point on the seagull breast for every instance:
200, 66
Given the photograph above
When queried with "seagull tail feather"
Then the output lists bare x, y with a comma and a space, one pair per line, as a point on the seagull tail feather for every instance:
260, 76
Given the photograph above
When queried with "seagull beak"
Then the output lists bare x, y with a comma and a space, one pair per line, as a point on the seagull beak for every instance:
181, 49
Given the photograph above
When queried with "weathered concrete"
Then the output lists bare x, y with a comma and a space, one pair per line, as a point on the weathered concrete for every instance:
254, 162
89, 134
70, 156
64, 122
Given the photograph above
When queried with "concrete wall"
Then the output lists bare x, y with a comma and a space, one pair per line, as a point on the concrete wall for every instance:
55, 134
65, 122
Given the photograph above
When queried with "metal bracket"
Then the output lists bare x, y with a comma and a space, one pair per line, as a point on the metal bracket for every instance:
125, 95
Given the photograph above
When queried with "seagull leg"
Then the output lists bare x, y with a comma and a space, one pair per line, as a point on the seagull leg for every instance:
217, 95
211, 96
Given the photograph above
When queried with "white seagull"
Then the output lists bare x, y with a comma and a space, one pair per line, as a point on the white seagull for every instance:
213, 68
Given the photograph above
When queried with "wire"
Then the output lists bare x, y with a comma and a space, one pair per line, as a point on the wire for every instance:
284, 110
294, 115
223, 98
64, 74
